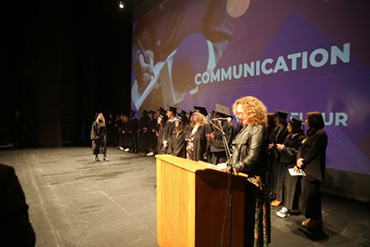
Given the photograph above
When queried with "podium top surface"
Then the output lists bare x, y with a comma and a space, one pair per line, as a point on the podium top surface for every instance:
190, 165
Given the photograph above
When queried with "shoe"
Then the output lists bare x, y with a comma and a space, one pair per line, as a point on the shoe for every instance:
305, 223
150, 154
314, 224
283, 213
275, 203
106, 159
121, 148
97, 158
126, 150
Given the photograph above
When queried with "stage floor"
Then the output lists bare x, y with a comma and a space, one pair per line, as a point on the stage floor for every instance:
75, 201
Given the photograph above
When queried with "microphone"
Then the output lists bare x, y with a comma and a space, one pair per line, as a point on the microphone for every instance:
223, 118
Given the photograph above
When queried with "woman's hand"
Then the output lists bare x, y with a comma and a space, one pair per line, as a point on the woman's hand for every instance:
300, 163
271, 145
280, 147
226, 169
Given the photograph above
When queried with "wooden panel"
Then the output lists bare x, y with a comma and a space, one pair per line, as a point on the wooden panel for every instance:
159, 202
211, 201
176, 208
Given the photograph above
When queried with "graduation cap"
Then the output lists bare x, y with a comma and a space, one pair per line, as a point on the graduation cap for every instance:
201, 109
222, 111
172, 109
145, 112
151, 112
281, 114
296, 122
183, 113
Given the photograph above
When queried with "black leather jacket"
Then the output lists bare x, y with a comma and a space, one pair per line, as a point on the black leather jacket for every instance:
250, 150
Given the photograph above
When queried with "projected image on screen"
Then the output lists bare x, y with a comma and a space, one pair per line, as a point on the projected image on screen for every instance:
292, 57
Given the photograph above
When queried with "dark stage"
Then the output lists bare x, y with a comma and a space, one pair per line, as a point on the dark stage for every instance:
75, 201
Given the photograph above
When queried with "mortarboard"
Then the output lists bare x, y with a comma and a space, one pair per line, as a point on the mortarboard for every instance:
281, 114
201, 110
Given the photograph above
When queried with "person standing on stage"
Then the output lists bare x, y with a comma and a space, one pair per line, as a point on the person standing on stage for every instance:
311, 158
161, 121
143, 133
177, 144
277, 175
121, 124
250, 157
197, 144
216, 143
99, 137
288, 157
132, 128
168, 128
152, 138
111, 130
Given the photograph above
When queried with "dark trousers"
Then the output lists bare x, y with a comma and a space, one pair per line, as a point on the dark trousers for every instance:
311, 199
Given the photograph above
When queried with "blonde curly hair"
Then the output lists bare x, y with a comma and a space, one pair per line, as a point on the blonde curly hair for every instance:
203, 119
253, 109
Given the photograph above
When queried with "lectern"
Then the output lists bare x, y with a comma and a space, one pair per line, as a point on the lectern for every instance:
192, 204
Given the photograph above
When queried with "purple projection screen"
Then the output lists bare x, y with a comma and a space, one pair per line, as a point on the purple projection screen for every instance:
298, 56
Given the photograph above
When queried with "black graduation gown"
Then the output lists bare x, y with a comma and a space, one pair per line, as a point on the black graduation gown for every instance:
132, 127
121, 135
143, 134
177, 145
278, 170
167, 131
217, 147
152, 137
99, 137
160, 139
288, 157
200, 143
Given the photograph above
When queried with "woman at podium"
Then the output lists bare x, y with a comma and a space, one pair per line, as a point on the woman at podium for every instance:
250, 157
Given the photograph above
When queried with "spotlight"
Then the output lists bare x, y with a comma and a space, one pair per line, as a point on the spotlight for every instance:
121, 4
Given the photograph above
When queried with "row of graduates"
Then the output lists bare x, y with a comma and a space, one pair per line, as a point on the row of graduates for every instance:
186, 135
288, 149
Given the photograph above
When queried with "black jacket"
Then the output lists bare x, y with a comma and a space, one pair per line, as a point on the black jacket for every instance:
313, 152
250, 150
15, 228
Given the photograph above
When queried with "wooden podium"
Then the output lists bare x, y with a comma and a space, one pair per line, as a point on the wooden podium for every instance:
191, 202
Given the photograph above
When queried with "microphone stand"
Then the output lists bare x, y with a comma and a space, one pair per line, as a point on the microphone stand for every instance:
229, 176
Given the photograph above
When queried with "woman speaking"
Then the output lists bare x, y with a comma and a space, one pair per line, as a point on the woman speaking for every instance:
250, 157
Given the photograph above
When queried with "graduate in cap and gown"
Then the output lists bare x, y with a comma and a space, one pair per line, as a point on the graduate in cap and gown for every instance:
197, 143
168, 127
133, 127
177, 144
99, 136
152, 138
143, 133
161, 122
288, 156
216, 143
277, 170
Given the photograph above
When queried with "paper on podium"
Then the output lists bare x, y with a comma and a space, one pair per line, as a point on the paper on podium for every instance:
292, 172
221, 166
